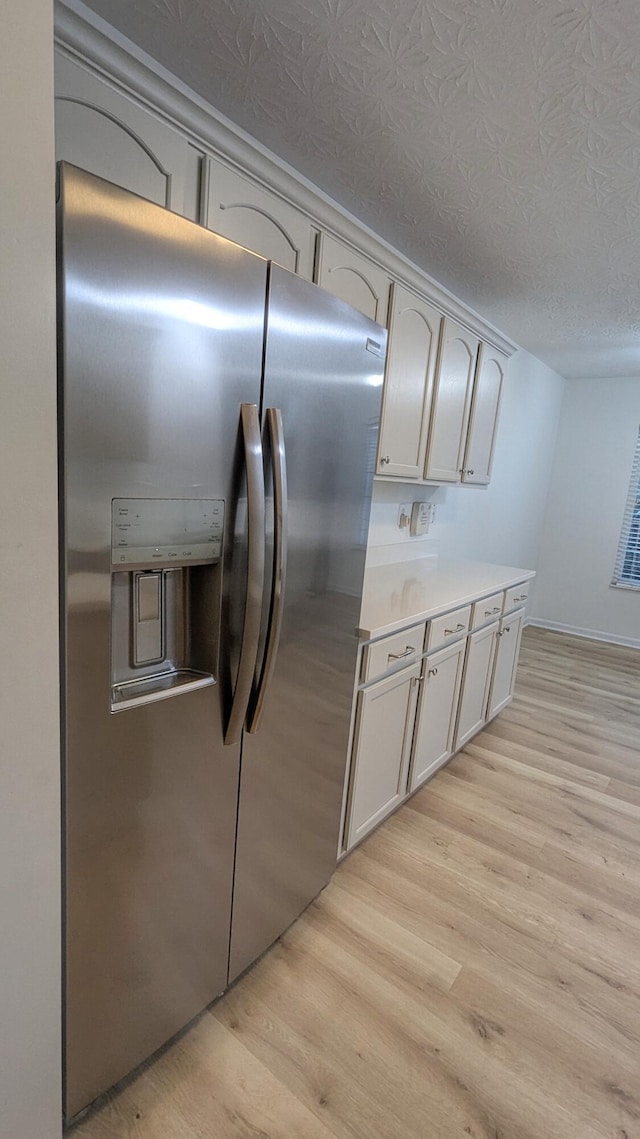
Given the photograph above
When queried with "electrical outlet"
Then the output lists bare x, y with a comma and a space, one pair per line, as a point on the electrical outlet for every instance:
421, 514
404, 516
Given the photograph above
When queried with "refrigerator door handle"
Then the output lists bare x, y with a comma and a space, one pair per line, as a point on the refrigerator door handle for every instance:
250, 421
280, 500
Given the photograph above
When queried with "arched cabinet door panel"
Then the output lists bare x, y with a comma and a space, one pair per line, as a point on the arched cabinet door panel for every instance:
108, 134
254, 216
353, 278
414, 327
451, 403
483, 424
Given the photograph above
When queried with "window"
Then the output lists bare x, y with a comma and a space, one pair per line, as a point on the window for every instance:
627, 567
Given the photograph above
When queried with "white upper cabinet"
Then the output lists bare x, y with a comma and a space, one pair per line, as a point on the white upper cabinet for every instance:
353, 278
106, 133
414, 327
451, 403
253, 216
483, 423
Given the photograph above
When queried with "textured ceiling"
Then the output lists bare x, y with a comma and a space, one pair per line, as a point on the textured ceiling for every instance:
495, 142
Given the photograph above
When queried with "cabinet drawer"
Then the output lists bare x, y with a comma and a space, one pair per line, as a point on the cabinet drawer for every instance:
392, 652
487, 609
517, 595
442, 630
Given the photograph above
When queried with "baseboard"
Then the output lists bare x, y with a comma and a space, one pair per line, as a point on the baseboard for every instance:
590, 634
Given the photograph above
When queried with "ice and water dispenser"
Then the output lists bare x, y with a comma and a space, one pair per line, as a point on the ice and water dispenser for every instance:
165, 557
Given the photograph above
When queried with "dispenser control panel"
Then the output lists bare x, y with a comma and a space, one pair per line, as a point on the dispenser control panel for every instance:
166, 530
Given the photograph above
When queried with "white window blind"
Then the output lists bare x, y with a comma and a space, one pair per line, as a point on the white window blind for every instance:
627, 568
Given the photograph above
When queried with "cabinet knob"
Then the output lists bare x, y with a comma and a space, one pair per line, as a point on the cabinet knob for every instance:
384, 459
432, 672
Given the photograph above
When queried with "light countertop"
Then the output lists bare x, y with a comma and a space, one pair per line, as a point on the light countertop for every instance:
396, 595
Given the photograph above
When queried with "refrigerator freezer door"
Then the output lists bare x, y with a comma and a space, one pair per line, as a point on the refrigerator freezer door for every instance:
324, 370
162, 339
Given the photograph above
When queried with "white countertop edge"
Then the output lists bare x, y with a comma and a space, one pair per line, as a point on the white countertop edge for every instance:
402, 594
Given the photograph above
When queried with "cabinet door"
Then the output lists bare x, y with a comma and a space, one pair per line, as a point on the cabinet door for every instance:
108, 134
437, 710
253, 216
506, 662
353, 278
414, 327
382, 744
451, 403
483, 421
476, 681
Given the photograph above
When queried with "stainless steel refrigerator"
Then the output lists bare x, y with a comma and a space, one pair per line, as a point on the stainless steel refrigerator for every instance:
218, 427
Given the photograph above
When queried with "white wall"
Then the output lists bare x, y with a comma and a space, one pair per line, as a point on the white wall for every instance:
590, 480
501, 523
29, 739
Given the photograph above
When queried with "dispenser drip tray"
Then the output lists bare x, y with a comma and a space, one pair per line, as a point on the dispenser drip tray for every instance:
134, 693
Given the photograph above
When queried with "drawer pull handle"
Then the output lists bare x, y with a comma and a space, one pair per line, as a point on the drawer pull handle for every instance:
450, 632
523, 597
490, 612
399, 656
432, 672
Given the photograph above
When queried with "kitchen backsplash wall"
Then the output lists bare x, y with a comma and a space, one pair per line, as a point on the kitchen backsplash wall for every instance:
387, 541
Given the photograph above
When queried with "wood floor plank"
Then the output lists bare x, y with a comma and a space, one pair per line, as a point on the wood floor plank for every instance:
471, 972
575, 992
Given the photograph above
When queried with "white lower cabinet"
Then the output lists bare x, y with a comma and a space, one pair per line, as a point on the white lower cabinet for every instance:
504, 673
476, 682
437, 709
409, 722
384, 727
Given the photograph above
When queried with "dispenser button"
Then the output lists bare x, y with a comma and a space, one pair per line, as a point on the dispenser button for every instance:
147, 619
149, 597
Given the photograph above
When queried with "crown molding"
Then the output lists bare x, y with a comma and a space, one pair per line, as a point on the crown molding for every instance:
81, 35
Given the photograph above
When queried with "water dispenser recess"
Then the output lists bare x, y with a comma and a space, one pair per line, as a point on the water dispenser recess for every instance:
165, 560
163, 531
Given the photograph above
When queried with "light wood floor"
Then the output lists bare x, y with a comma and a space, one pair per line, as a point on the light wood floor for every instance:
473, 969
